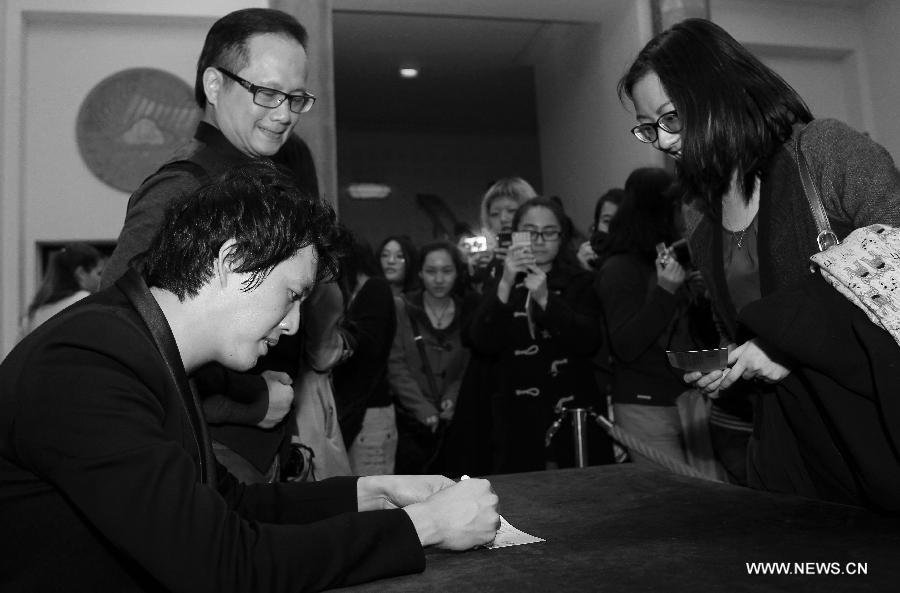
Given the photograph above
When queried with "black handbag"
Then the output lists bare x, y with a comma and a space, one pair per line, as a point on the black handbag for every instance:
831, 429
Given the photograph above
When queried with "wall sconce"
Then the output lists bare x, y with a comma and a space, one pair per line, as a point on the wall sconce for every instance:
368, 191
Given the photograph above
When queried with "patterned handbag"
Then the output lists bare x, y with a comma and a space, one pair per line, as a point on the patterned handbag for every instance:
864, 267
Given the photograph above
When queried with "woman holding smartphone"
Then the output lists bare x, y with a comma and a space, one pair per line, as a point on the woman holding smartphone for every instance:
542, 322
646, 304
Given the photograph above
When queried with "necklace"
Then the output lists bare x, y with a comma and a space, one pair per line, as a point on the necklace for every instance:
739, 235
437, 318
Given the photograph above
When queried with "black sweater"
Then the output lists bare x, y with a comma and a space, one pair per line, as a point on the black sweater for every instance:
639, 318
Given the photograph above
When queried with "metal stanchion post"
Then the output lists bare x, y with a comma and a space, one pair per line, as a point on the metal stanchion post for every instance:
579, 435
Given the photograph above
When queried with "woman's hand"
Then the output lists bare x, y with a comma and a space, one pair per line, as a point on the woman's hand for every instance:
750, 360
586, 255
753, 360
446, 409
669, 273
517, 260
481, 259
536, 283
432, 422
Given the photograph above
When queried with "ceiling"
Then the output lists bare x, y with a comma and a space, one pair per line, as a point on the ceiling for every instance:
472, 74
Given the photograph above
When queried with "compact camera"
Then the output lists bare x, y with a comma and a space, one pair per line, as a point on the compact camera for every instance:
475, 244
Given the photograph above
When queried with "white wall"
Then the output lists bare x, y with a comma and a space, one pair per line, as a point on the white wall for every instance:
881, 43
841, 58
53, 53
77, 51
586, 147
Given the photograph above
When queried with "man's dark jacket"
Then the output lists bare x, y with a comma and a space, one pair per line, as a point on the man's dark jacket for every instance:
108, 484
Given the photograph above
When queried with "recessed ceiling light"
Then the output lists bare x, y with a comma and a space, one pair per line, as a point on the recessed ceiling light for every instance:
409, 72
368, 191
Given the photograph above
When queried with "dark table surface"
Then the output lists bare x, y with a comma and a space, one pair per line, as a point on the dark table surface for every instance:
622, 528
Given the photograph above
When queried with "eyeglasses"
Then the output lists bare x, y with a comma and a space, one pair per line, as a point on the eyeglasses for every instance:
668, 122
271, 98
544, 235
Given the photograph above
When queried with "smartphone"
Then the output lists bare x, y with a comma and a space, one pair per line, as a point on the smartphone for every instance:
661, 250
504, 240
475, 244
521, 238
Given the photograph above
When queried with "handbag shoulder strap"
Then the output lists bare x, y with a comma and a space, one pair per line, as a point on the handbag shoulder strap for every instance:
420, 344
825, 237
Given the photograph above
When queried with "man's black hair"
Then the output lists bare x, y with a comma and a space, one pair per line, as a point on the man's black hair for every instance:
258, 206
226, 42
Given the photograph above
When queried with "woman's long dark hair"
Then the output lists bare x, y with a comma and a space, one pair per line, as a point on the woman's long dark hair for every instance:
645, 217
410, 280
59, 280
736, 110
613, 196
359, 259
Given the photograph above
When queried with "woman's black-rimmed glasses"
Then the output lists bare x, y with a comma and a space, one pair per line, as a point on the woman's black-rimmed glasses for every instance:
669, 122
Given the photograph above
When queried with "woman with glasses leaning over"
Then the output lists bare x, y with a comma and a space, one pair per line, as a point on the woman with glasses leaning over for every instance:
733, 127
542, 320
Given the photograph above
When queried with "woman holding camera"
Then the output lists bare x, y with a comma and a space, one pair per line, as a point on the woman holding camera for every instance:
498, 207
542, 321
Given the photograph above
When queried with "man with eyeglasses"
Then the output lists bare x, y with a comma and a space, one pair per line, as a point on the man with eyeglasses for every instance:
251, 85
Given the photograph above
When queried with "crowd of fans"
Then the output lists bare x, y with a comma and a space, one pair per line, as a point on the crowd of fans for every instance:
500, 332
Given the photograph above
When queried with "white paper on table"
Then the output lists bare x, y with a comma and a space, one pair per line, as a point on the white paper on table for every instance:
508, 535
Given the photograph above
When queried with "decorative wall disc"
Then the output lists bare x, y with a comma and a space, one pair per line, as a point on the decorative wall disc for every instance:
132, 121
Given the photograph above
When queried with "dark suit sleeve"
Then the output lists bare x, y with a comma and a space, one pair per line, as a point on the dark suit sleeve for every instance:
98, 423
143, 217
229, 397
